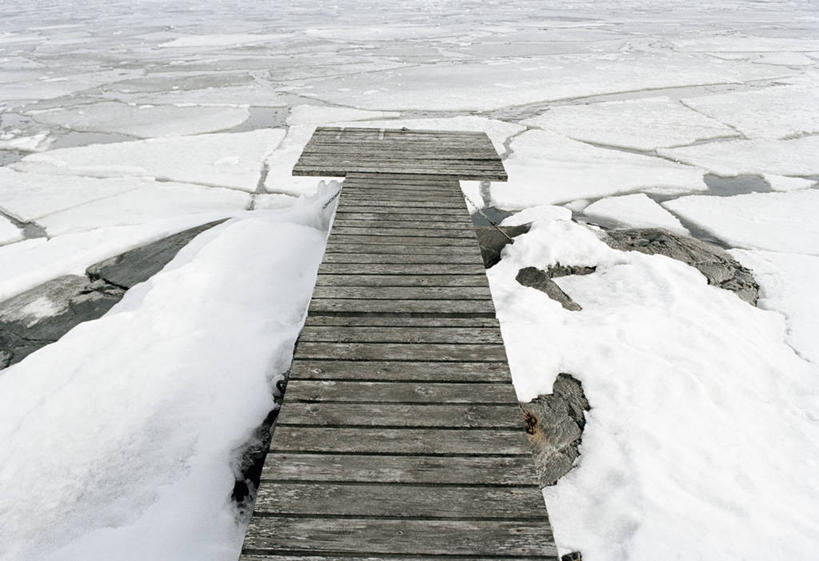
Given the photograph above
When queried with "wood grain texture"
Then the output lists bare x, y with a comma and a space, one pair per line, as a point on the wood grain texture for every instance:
400, 436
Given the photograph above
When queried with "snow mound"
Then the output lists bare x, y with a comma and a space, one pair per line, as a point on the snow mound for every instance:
121, 436
690, 390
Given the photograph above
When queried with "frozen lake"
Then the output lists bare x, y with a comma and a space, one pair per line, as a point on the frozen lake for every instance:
123, 122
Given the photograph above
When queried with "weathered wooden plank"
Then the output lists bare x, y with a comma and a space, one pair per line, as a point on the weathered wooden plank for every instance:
251, 556
333, 247
420, 225
367, 201
329, 171
387, 258
510, 538
368, 193
377, 231
416, 371
399, 392
396, 415
414, 241
440, 307
407, 209
403, 351
403, 292
475, 279
383, 216
473, 322
382, 334
398, 501
510, 470
398, 269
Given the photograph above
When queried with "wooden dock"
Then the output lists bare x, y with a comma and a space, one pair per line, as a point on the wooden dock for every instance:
400, 437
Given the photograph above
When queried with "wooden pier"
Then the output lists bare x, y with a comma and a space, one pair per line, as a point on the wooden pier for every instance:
400, 437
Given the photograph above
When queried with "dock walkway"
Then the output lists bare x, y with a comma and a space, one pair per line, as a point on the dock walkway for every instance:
400, 436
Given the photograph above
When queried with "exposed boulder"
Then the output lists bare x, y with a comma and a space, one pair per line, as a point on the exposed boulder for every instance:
492, 242
140, 264
713, 262
554, 426
542, 280
45, 313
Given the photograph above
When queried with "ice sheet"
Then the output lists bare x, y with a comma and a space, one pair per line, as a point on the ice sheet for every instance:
8, 231
759, 156
319, 115
773, 221
775, 112
144, 121
642, 124
788, 285
635, 211
232, 160
547, 168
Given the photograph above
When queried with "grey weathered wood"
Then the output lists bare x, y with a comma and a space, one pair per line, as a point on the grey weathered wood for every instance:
440, 307
403, 351
417, 371
377, 440
374, 280
401, 415
399, 437
399, 392
403, 292
403, 334
398, 501
509, 538
511, 470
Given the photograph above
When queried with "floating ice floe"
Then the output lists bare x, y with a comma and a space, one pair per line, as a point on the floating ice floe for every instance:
143, 120
635, 211
319, 115
537, 213
758, 156
34, 143
773, 112
787, 282
784, 183
155, 201
773, 221
641, 124
28, 263
185, 360
223, 40
547, 168
8, 231
690, 390
232, 160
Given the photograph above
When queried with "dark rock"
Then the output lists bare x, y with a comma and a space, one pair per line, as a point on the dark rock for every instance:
713, 262
573, 556
492, 242
45, 313
554, 426
140, 264
535, 278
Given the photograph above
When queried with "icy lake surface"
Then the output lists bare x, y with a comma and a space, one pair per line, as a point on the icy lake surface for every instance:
122, 122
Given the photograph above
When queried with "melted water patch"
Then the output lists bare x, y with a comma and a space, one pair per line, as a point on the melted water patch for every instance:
737, 185
489, 213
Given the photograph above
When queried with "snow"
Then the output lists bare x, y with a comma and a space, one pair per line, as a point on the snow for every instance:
231, 160
222, 40
774, 112
150, 203
193, 350
547, 168
33, 143
318, 115
691, 389
773, 221
635, 211
784, 183
641, 124
787, 283
27, 263
8, 231
758, 156
542, 212
280, 164
144, 121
